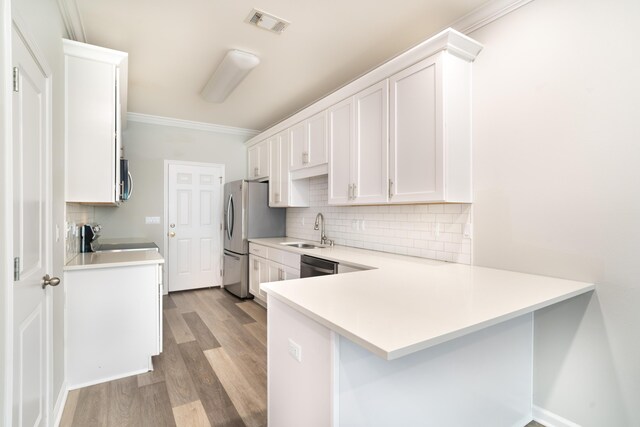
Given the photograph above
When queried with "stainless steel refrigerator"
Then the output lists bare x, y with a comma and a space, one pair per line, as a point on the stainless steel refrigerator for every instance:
246, 215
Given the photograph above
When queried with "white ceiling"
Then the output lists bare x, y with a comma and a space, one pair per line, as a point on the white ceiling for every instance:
174, 47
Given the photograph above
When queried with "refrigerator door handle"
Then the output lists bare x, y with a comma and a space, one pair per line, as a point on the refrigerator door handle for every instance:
237, 258
230, 217
227, 225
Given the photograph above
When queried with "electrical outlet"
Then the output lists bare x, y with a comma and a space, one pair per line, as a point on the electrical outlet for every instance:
295, 350
467, 231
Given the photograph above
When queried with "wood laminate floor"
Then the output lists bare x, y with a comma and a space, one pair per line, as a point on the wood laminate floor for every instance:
212, 372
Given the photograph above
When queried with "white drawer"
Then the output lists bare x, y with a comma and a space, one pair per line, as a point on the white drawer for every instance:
291, 259
276, 255
259, 250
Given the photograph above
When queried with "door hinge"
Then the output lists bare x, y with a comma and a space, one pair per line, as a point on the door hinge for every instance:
220, 179
16, 269
16, 79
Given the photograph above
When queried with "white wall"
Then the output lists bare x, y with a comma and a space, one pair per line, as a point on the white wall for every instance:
146, 147
557, 190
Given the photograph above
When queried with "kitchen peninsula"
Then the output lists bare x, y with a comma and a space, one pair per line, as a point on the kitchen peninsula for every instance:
408, 342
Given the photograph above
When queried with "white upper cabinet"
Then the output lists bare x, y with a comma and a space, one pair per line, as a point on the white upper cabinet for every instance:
259, 166
340, 127
430, 141
95, 83
371, 145
283, 192
358, 147
308, 147
399, 134
279, 178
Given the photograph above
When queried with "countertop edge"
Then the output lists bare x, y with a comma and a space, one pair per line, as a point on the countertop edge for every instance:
429, 342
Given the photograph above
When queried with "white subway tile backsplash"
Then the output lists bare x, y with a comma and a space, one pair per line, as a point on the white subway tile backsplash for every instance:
428, 231
76, 216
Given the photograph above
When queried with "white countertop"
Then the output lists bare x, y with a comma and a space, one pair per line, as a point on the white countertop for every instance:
90, 260
406, 304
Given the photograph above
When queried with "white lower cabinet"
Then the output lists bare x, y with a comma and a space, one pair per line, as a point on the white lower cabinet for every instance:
113, 322
270, 265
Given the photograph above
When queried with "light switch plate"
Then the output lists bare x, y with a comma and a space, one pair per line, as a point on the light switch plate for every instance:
152, 220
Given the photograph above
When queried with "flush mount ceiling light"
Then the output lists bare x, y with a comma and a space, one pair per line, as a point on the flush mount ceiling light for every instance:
266, 21
232, 70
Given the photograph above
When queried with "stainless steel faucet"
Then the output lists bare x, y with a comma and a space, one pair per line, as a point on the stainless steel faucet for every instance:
323, 236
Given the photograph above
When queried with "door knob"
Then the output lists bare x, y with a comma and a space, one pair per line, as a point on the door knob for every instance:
51, 281
172, 234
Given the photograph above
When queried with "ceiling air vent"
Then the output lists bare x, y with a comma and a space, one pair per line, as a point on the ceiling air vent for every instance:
267, 21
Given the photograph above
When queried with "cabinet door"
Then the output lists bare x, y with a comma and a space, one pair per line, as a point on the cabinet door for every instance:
299, 147
416, 143
91, 126
259, 160
254, 161
254, 275
340, 132
371, 144
264, 164
291, 273
279, 177
316, 130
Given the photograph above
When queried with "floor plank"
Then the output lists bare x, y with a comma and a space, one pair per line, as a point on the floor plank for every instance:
191, 415
124, 403
180, 329
70, 408
178, 381
213, 396
255, 310
91, 409
203, 334
259, 331
251, 407
156, 406
230, 304
167, 302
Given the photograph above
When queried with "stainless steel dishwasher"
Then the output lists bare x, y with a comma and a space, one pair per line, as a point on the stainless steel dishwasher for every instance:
312, 266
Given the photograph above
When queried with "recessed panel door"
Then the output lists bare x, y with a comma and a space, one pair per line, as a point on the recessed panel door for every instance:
31, 238
340, 131
195, 218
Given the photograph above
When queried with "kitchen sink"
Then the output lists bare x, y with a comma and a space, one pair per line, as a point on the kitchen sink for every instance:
301, 245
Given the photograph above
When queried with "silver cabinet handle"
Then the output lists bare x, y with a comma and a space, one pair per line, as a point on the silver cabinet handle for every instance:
255, 264
350, 192
255, 171
354, 192
390, 188
305, 158
50, 281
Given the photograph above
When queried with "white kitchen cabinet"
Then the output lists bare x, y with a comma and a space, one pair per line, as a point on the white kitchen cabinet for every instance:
430, 141
113, 322
358, 146
259, 165
95, 94
283, 191
308, 147
267, 264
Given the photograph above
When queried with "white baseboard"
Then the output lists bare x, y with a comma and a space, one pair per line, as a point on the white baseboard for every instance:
107, 379
549, 419
60, 402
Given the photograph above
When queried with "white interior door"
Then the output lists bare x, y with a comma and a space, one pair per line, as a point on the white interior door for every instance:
195, 226
32, 244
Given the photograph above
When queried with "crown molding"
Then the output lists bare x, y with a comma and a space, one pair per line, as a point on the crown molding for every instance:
486, 14
187, 124
72, 20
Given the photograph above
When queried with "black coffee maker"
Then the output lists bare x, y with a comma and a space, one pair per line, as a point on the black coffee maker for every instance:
88, 234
